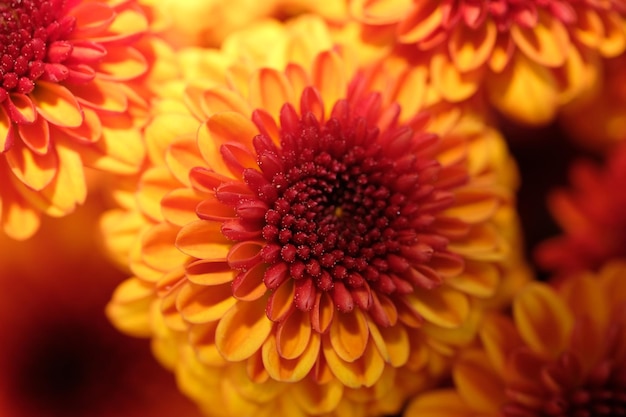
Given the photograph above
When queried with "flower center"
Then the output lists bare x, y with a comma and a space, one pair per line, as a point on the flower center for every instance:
32, 44
349, 208
595, 401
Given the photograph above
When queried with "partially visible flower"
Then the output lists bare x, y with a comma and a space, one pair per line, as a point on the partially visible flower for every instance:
65, 102
597, 121
562, 354
531, 56
309, 244
592, 214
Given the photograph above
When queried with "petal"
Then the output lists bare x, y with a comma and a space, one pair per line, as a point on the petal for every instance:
200, 304
202, 338
471, 48
102, 95
546, 43
322, 312
154, 184
423, 19
293, 335
243, 330
499, 337
7, 135
130, 306
36, 136
164, 130
128, 24
181, 156
179, 206
203, 240
280, 302
392, 343
209, 272
478, 279
290, 370
442, 306
91, 18
21, 108
329, 78
450, 82
158, 248
248, 285
349, 335
614, 41
57, 104
379, 12
525, 92
122, 64
543, 320
34, 170
269, 90
363, 372
19, 220
318, 399
476, 380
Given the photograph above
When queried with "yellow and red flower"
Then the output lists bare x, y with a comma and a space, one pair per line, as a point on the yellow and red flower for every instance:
311, 242
66, 100
531, 56
563, 353
592, 216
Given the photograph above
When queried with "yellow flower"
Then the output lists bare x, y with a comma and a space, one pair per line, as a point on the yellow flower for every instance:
561, 354
65, 101
308, 245
531, 56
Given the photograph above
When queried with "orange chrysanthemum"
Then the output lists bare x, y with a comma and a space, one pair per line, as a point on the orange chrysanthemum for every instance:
307, 246
592, 215
65, 102
532, 56
562, 354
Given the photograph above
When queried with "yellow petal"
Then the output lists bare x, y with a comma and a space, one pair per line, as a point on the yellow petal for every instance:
122, 63
243, 330
380, 12
614, 41
349, 335
102, 95
36, 171
317, 399
365, 371
442, 306
479, 279
476, 380
392, 343
543, 320
202, 338
179, 206
439, 403
526, 92
7, 135
19, 220
547, 43
499, 337
453, 84
471, 48
36, 136
57, 104
420, 21
200, 304
203, 240
209, 272
164, 130
130, 307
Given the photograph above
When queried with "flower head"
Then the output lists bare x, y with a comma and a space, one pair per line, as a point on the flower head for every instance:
65, 70
531, 56
591, 214
313, 241
562, 354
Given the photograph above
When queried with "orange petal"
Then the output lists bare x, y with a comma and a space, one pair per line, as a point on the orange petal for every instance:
209, 272
547, 43
287, 370
614, 41
102, 95
21, 108
36, 171
179, 206
589, 27
349, 335
154, 184
471, 48
128, 23
248, 285
420, 21
363, 372
322, 312
158, 247
202, 338
181, 156
280, 302
475, 379
220, 99
203, 240
7, 135
478, 279
293, 335
392, 343
329, 78
318, 399
57, 104
243, 330
91, 18
525, 91
200, 304
499, 337
36, 136
164, 130
269, 90
441, 306
473, 205
543, 320
19, 220
121, 64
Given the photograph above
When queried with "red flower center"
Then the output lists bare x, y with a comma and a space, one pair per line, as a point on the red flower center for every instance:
342, 207
33, 44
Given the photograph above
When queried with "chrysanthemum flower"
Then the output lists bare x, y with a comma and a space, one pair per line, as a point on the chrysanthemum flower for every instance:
65, 102
532, 56
592, 215
562, 354
309, 244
